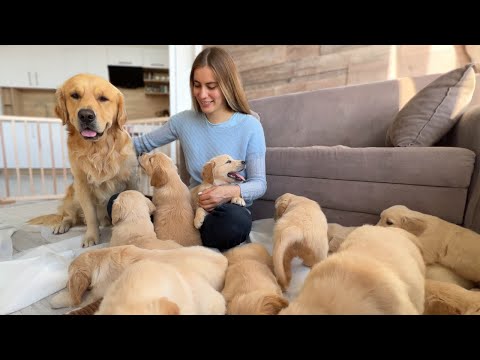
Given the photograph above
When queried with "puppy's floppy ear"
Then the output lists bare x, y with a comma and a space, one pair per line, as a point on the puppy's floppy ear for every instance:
272, 304
61, 106
78, 283
121, 111
207, 172
164, 306
119, 212
151, 206
438, 306
159, 177
280, 207
414, 225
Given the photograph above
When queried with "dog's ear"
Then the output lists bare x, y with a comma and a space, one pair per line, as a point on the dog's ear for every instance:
207, 172
121, 111
61, 106
272, 304
438, 306
280, 207
414, 225
164, 306
159, 177
78, 283
119, 212
151, 206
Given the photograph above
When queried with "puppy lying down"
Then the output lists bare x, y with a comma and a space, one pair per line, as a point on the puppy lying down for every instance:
250, 286
150, 287
442, 242
98, 268
375, 271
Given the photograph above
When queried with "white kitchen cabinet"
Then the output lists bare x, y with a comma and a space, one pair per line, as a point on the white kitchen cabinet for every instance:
124, 55
91, 59
155, 58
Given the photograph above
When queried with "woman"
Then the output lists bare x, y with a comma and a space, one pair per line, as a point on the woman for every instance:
219, 124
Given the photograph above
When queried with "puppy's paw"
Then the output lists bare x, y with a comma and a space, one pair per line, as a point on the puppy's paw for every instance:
90, 240
238, 201
61, 227
198, 221
61, 300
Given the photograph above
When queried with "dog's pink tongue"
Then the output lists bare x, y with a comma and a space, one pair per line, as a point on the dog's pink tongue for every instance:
236, 176
88, 133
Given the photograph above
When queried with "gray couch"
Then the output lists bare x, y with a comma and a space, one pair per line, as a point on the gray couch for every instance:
329, 145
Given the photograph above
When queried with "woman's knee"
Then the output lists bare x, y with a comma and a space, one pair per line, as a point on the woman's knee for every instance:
226, 226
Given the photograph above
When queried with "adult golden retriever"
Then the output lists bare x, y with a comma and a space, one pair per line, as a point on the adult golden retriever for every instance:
131, 222
300, 230
101, 153
219, 170
173, 217
250, 285
375, 271
441, 242
96, 269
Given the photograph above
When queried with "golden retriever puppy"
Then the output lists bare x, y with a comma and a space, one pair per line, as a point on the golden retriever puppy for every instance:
173, 217
131, 212
337, 234
441, 273
300, 230
97, 269
219, 170
156, 288
250, 286
101, 153
441, 242
375, 271
443, 298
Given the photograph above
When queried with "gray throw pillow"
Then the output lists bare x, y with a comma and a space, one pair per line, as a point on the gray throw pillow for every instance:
434, 110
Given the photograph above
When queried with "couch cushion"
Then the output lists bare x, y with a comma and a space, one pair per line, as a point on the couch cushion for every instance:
433, 111
431, 166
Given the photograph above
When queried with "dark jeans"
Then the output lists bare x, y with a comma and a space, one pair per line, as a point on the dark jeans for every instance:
226, 226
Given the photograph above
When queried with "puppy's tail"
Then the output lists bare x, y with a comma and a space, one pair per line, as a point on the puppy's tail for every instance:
256, 303
284, 250
50, 219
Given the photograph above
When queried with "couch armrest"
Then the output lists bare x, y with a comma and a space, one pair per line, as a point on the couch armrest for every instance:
466, 134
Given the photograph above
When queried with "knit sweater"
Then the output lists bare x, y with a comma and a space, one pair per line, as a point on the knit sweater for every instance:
241, 137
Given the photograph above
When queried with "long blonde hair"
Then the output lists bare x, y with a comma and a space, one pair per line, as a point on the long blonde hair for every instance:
225, 71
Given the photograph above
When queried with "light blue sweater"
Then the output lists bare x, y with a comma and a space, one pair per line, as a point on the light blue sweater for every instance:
241, 137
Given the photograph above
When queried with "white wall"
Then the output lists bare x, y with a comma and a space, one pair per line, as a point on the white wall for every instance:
181, 58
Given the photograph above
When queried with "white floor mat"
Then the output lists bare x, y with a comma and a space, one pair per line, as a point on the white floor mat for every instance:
30, 272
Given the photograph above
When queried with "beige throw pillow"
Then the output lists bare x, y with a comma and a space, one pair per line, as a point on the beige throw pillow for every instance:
434, 110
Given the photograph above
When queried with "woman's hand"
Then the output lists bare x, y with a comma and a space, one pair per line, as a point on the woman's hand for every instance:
214, 196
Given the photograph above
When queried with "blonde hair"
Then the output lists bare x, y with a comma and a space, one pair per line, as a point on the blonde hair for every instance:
226, 74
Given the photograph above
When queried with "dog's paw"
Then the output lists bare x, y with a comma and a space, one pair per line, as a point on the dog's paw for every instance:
61, 300
198, 222
238, 201
89, 240
61, 228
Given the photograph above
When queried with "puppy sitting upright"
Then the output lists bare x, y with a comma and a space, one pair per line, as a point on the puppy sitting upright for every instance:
131, 212
173, 217
219, 170
300, 230
250, 286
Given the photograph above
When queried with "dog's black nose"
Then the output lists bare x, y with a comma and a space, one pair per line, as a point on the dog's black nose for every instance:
86, 116
243, 162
